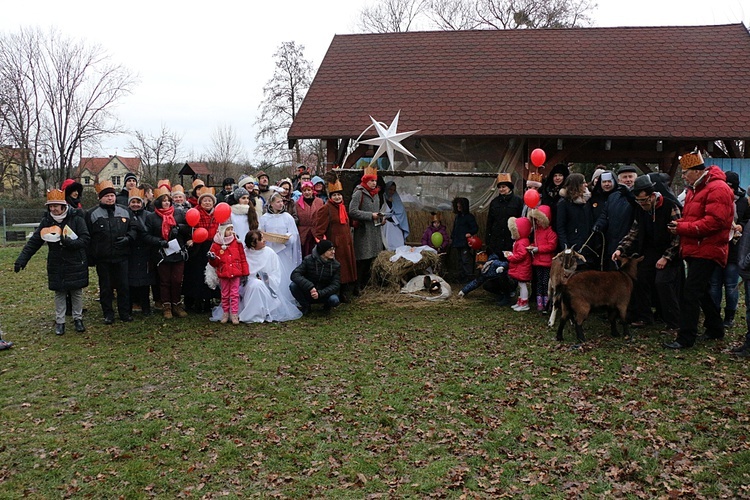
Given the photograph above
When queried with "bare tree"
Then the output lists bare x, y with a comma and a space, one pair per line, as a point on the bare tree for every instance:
514, 14
157, 151
453, 15
58, 99
21, 102
391, 16
225, 150
282, 97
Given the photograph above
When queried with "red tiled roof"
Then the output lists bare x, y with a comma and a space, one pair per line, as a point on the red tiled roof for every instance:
686, 82
95, 165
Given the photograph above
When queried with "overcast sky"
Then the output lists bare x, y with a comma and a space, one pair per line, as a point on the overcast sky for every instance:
203, 67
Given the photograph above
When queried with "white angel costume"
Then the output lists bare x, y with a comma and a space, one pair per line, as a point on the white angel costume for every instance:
290, 253
261, 299
240, 222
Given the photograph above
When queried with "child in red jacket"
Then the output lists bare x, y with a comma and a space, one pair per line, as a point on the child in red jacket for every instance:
227, 255
542, 252
520, 259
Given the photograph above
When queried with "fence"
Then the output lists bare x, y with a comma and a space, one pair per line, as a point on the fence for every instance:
19, 223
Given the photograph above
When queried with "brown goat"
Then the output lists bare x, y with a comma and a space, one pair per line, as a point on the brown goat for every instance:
564, 265
589, 289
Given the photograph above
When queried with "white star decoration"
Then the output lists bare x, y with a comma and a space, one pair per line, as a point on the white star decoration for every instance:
388, 140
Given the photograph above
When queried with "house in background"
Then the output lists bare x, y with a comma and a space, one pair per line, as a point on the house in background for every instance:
10, 167
91, 171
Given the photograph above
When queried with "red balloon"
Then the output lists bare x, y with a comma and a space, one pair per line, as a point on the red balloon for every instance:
474, 242
538, 157
192, 217
531, 198
200, 235
222, 211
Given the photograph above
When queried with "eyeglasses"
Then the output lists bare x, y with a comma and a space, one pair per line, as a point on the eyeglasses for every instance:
643, 201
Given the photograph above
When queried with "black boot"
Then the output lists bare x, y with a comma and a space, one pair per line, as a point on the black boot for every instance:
729, 318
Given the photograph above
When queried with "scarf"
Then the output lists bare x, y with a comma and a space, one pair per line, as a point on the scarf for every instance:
343, 216
365, 180
167, 221
61, 217
222, 240
207, 221
238, 209
302, 200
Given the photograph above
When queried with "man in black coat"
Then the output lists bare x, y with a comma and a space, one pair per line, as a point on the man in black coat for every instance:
130, 182
317, 279
502, 208
112, 229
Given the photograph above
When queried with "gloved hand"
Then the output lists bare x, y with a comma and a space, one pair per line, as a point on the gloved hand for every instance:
164, 243
18, 266
65, 241
122, 241
500, 269
211, 255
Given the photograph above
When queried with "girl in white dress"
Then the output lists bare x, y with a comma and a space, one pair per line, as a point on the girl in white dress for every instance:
261, 297
276, 220
244, 217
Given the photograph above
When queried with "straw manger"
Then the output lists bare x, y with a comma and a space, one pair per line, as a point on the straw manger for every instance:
394, 275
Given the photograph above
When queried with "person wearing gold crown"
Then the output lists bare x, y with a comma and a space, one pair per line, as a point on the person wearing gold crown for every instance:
140, 271
332, 223
112, 230
502, 208
704, 244
66, 234
364, 211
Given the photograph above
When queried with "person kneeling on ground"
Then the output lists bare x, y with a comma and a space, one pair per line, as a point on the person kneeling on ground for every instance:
317, 279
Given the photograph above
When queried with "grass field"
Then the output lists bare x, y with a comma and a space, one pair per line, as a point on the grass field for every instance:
386, 397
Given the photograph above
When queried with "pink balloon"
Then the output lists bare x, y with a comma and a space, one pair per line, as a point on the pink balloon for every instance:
200, 235
538, 157
192, 217
531, 198
222, 211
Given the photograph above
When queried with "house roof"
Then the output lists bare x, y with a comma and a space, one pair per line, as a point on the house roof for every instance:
195, 168
684, 82
96, 165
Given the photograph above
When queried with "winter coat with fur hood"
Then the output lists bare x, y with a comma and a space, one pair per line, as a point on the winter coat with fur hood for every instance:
520, 258
545, 238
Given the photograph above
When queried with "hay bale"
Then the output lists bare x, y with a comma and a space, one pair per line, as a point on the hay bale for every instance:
394, 275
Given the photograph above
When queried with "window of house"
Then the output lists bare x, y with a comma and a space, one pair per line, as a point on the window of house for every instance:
87, 181
116, 180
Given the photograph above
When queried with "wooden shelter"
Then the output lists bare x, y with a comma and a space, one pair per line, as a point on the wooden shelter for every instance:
482, 100
195, 170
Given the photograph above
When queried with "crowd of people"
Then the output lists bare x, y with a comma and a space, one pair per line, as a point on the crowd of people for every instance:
286, 246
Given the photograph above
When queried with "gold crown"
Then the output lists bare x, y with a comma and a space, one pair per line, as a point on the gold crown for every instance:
369, 170
56, 196
164, 183
536, 177
136, 193
504, 178
103, 185
206, 191
691, 160
334, 187
161, 191
436, 217
178, 189
198, 182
